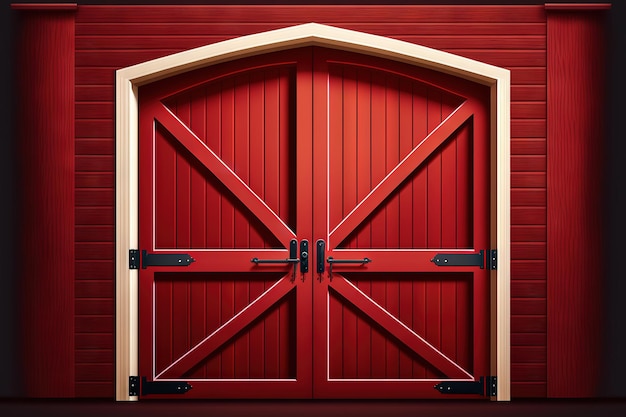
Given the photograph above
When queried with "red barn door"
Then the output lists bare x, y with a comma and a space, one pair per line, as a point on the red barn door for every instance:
401, 173
241, 164
224, 181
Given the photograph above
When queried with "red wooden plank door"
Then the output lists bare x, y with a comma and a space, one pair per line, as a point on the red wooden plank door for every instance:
224, 180
378, 165
401, 173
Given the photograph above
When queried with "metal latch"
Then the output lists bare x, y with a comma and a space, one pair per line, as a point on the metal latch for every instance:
293, 258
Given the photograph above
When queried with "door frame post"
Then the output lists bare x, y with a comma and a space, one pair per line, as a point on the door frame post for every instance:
130, 78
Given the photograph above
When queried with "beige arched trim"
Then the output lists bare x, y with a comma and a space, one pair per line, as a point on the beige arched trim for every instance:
129, 79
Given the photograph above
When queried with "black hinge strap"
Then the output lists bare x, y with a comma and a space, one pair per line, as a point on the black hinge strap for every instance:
492, 259
460, 259
157, 259
468, 259
163, 387
165, 259
484, 386
156, 387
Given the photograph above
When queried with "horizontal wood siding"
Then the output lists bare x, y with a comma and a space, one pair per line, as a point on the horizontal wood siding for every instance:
111, 37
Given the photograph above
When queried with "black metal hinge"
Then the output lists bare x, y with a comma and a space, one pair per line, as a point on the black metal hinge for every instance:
165, 259
156, 387
468, 259
492, 259
133, 259
486, 386
157, 259
133, 386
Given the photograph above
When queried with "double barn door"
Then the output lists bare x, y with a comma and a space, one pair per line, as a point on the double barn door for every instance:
302, 196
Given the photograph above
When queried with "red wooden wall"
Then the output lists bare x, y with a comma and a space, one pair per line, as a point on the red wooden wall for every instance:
515, 37
45, 162
576, 157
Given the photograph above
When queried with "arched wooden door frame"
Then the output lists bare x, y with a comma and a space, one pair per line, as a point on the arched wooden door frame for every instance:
129, 79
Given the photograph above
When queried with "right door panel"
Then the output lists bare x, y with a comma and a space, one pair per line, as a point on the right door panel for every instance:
400, 174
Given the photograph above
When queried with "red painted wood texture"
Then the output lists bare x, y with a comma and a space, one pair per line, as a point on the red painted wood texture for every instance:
386, 330
218, 170
110, 37
222, 322
576, 93
45, 149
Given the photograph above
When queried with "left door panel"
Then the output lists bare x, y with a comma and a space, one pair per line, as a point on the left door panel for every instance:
224, 153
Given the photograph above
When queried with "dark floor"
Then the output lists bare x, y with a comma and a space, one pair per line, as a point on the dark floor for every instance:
192, 408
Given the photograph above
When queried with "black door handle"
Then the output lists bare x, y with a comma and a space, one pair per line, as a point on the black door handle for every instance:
293, 258
321, 253
332, 261
304, 256
321, 260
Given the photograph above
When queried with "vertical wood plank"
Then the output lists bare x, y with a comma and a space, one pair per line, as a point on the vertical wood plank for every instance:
392, 214
364, 333
241, 152
448, 239
180, 317
419, 319
242, 343
198, 215
45, 175
392, 152
257, 168
378, 162
213, 320
163, 325
272, 151
180, 309
271, 178
349, 163
434, 174
227, 301
213, 140
285, 351
349, 197
286, 146
405, 197
165, 190
257, 139
227, 154
576, 74
183, 183
272, 353
364, 143
464, 181
335, 338
350, 343
464, 341
420, 181
257, 334
433, 286
406, 217
336, 146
